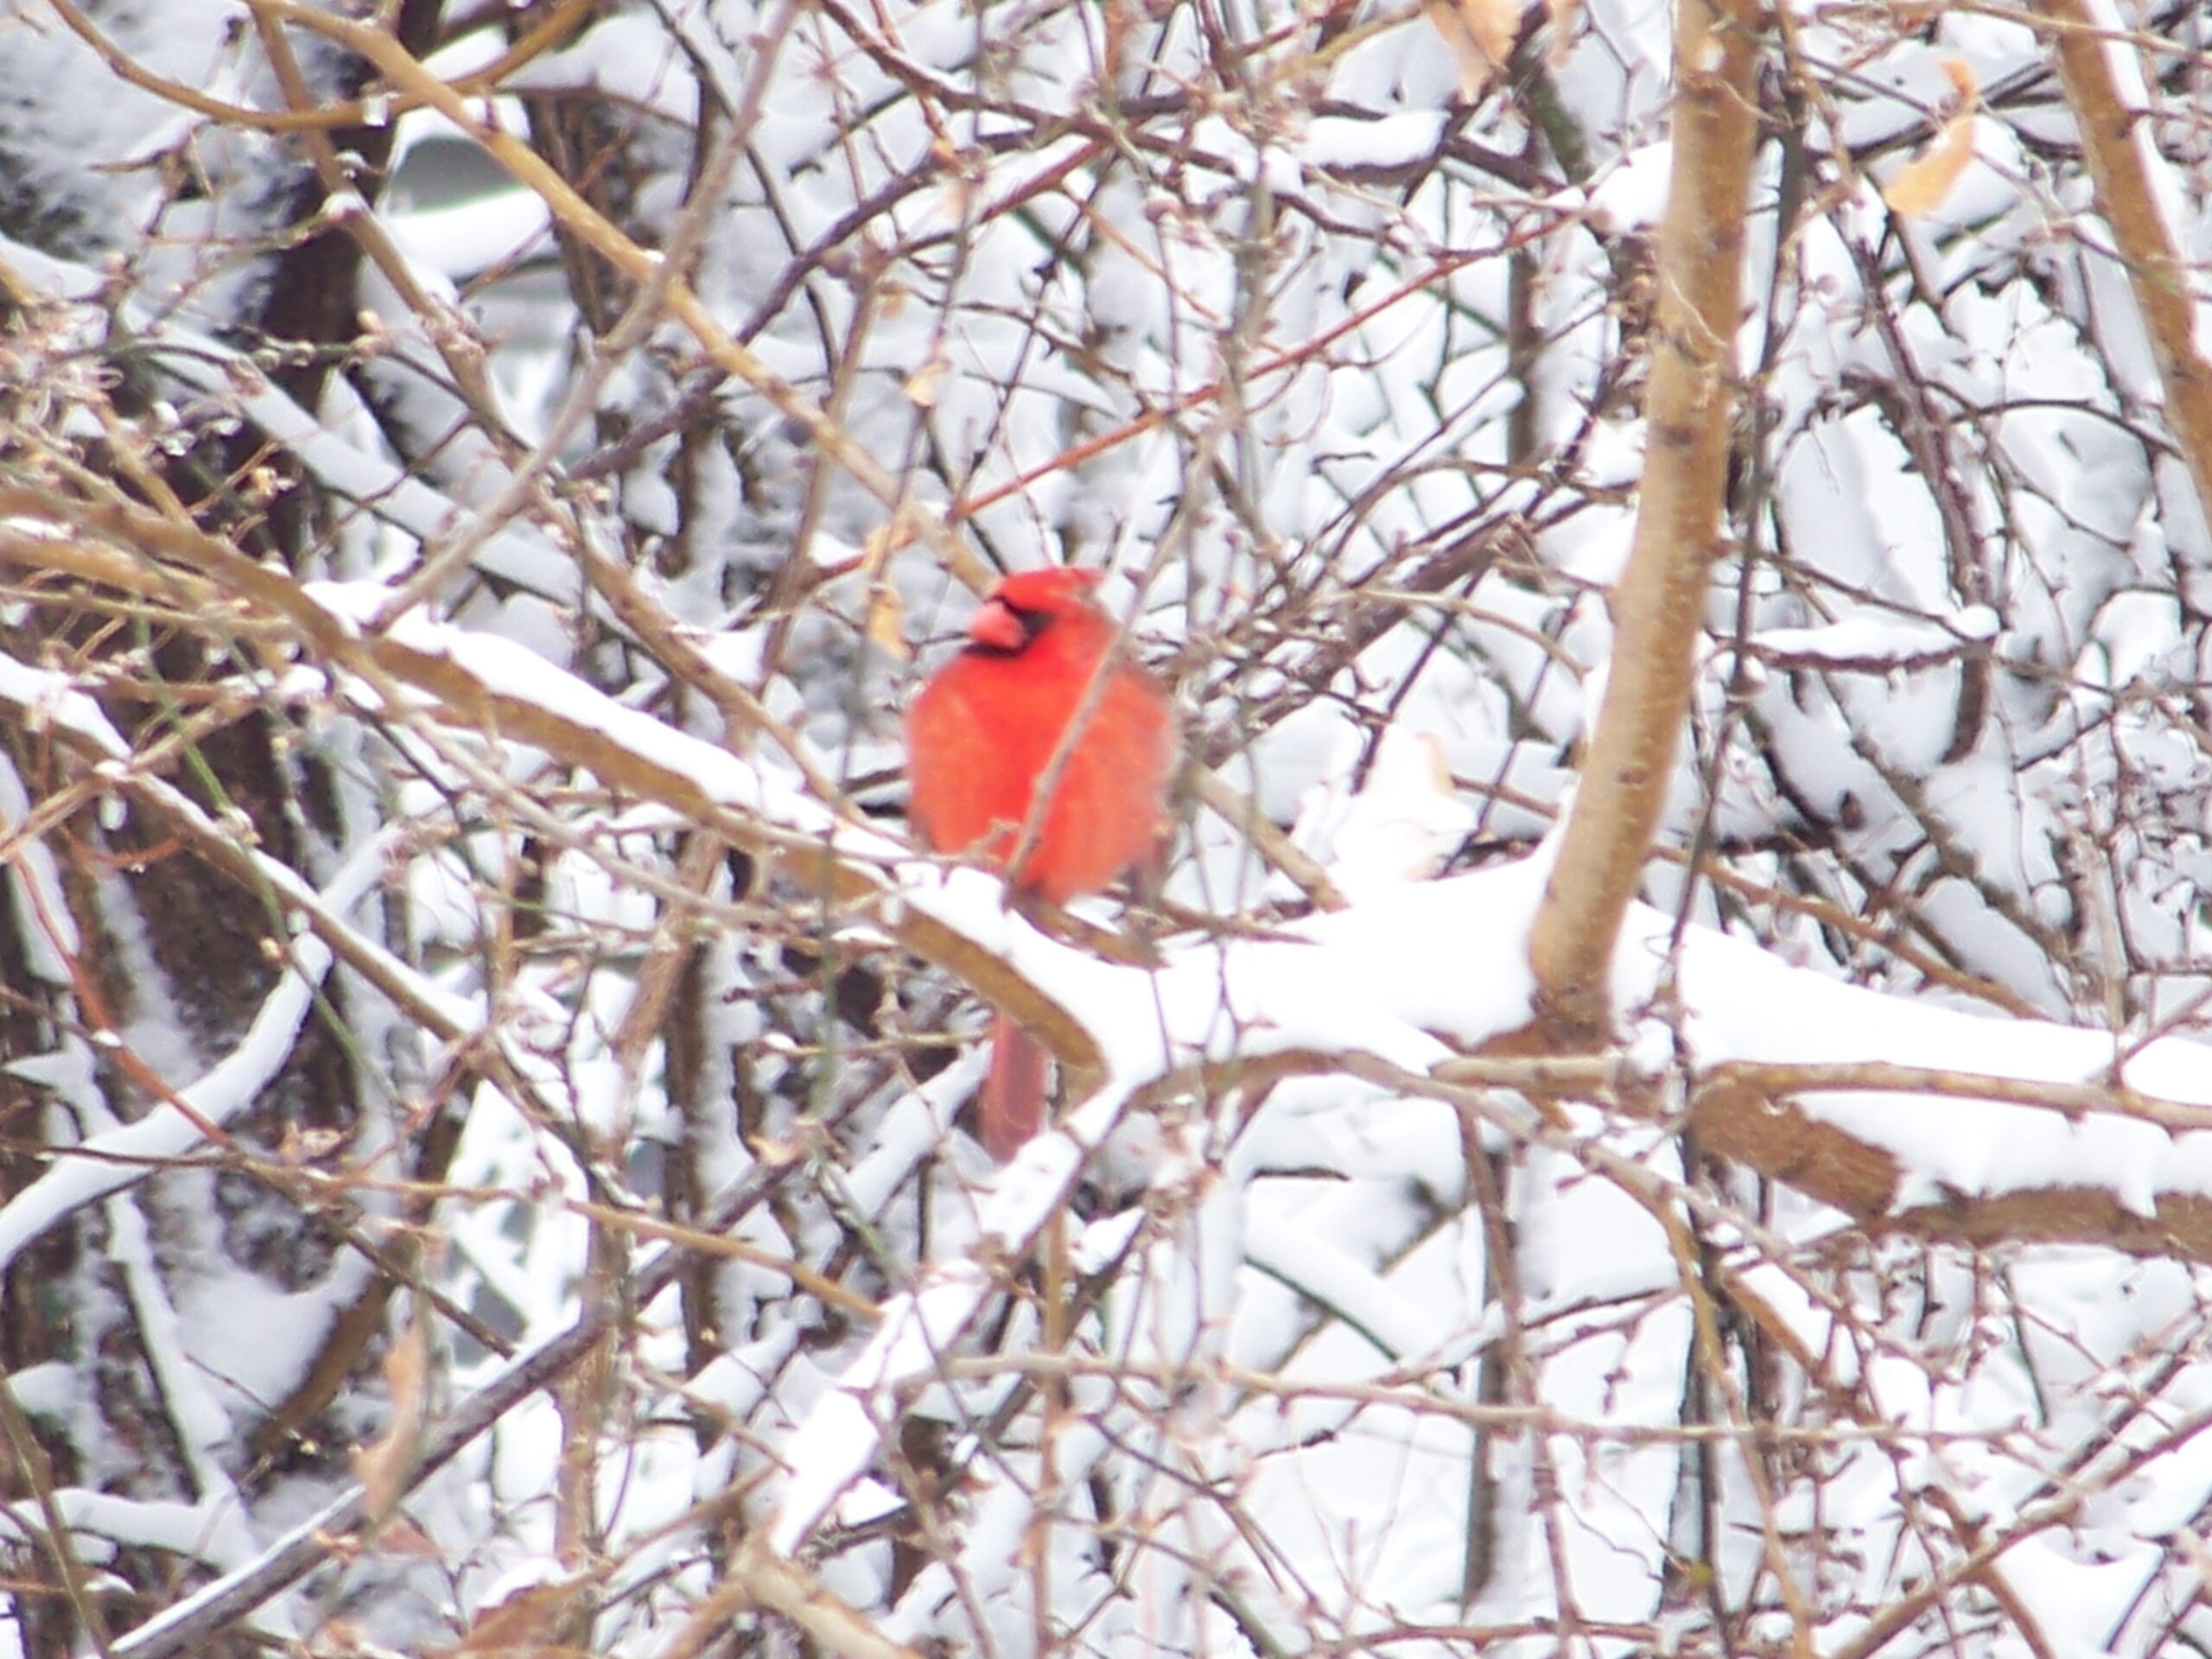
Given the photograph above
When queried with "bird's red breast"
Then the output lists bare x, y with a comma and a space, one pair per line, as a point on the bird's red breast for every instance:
986, 732
987, 725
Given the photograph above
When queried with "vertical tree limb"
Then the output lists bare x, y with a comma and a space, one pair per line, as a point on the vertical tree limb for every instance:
1658, 602
2120, 163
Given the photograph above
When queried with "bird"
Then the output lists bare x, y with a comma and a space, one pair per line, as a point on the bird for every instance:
987, 730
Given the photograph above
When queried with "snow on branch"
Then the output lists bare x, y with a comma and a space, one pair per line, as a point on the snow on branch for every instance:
569, 207
1482, 1262
233, 383
1904, 1116
44, 699
2145, 205
187, 1119
1409, 979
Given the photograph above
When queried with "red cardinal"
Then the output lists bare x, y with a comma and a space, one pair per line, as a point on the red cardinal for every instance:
981, 737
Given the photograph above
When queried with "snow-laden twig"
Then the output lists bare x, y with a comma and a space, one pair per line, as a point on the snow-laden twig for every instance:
195, 1416
191, 1619
378, 486
179, 1125
640, 264
44, 699
200, 1531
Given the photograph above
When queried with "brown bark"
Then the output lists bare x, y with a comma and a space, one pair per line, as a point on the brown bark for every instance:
2127, 201
1753, 1116
1658, 603
1740, 1112
1774, 1135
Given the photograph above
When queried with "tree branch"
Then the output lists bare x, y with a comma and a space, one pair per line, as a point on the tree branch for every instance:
2116, 143
1658, 603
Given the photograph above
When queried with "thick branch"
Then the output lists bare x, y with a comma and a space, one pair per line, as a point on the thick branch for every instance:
1658, 603
2115, 141
1753, 1114
1745, 1110
1775, 1135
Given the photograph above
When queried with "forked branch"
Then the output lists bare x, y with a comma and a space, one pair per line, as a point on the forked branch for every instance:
1658, 603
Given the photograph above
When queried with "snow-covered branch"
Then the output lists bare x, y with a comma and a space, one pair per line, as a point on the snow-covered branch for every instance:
2139, 195
485, 1078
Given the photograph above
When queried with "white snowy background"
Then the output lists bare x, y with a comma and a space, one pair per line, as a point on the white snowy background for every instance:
565, 910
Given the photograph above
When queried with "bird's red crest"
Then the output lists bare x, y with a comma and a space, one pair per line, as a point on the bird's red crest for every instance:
1061, 588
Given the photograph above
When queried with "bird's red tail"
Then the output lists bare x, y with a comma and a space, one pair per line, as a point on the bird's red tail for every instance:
1012, 1106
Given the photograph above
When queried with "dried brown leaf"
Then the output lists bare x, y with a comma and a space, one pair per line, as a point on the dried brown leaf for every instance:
384, 1466
1930, 177
528, 1621
1479, 35
886, 622
921, 384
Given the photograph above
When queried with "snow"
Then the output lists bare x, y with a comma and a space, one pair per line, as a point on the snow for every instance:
1404, 821
468, 239
1392, 141
33, 874
186, 1530
2169, 197
1632, 194
506, 667
1944, 766
630, 60
1380, 994
1976, 1147
112, 1160
48, 700
838, 1437
1877, 642
371, 481
1399, 1329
